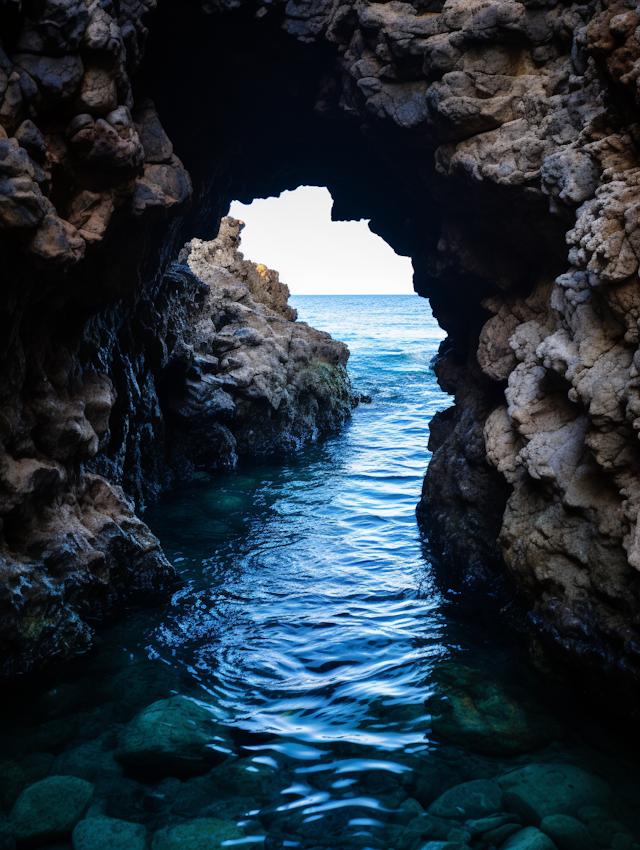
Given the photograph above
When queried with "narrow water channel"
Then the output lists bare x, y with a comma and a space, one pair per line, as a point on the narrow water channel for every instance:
310, 628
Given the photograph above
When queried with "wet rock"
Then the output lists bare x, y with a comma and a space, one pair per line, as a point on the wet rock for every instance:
428, 780
429, 826
499, 835
541, 790
202, 834
529, 838
162, 796
49, 810
125, 801
408, 810
523, 120
567, 833
474, 799
108, 834
86, 761
175, 734
444, 845
54, 735
19, 773
483, 825
477, 712
242, 778
604, 830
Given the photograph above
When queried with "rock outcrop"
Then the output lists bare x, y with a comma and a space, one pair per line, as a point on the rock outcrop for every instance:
495, 141
209, 366
255, 380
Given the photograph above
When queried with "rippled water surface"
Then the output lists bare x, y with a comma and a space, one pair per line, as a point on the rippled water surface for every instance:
310, 626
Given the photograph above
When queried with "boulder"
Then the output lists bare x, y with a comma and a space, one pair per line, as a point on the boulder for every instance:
202, 834
567, 833
478, 713
241, 779
471, 800
17, 774
529, 838
539, 790
103, 833
49, 810
172, 735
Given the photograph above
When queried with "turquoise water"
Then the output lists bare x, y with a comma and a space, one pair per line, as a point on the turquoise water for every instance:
310, 627
307, 591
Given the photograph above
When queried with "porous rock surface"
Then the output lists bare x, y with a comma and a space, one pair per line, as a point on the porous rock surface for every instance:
223, 372
257, 380
495, 141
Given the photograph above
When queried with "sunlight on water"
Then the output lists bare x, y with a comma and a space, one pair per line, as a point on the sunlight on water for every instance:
313, 601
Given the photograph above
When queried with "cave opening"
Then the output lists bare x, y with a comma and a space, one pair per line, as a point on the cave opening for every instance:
314, 254
304, 685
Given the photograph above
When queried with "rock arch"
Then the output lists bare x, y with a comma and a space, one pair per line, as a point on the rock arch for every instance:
479, 136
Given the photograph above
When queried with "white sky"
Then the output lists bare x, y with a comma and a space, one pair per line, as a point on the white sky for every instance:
294, 234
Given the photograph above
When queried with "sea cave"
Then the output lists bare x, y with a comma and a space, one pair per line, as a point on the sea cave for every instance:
348, 570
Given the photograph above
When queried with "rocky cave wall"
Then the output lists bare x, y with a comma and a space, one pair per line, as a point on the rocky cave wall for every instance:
494, 141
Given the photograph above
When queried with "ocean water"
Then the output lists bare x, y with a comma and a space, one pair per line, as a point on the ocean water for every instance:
309, 624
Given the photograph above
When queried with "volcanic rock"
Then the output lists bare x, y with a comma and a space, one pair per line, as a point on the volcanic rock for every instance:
495, 143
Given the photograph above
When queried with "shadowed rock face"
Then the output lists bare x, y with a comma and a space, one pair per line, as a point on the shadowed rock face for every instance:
493, 141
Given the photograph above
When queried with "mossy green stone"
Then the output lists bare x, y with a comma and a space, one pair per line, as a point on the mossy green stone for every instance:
175, 735
477, 712
49, 810
105, 833
202, 834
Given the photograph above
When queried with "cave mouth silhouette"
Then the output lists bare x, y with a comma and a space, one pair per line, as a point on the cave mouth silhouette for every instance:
253, 112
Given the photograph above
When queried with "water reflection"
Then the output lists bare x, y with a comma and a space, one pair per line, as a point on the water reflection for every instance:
319, 690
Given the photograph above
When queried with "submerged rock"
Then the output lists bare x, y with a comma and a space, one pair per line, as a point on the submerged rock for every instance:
429, 779
175, 734
102, 833
567, 833
49, 810
17, 774
479, 713
471, 800
500, 834
201, 834
538, 791
529, 838
242, 778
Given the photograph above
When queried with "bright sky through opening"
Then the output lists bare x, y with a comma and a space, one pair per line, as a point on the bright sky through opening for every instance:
294, 234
